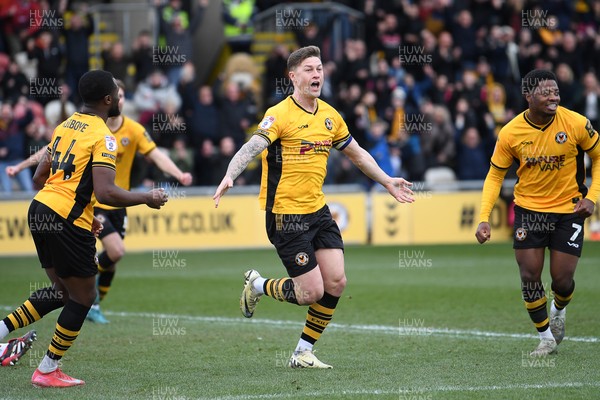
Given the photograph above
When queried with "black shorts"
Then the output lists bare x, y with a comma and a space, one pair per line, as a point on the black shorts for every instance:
67, 248
113, 221
297, 236
561, 232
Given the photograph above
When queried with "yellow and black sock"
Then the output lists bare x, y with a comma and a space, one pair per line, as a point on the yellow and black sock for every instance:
106, 273
67, 329
318, 316
535, 302
562, 299
281, 289
40, 303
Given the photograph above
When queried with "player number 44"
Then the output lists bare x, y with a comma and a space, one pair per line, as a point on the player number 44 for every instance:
66, 163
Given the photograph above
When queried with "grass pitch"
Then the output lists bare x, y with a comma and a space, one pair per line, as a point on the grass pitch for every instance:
419, 322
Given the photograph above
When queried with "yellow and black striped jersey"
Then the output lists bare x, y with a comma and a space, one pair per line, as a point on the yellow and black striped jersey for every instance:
131, 138
81, 142
295, 163
551, 171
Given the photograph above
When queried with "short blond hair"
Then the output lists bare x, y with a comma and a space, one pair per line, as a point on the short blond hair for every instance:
296, 58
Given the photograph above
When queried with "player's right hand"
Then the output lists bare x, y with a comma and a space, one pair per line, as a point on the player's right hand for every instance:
484, 232
157, 198
11, 171
226, 183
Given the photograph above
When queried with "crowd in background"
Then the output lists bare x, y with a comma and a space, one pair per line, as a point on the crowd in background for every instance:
428, 86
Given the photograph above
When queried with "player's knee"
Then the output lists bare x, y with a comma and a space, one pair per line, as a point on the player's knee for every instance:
309, 296
86, 298
336, 286
529, 275
562, 284
116, 253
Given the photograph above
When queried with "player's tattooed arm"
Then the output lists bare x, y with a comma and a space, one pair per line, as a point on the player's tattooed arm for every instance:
242, 158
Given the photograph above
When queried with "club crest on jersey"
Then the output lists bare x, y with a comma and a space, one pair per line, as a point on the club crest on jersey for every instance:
111, 143
125, 141
302, 259
520, 234
328, 124
560, 137
267, 122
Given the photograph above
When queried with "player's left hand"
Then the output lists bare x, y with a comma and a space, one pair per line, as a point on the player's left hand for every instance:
584, 208
185, 179
399, 188
96, 227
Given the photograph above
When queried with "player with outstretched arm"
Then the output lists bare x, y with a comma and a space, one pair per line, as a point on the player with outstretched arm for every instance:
295, 138
80, 161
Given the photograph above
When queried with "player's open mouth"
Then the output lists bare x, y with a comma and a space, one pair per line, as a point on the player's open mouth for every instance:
552, 106
315, 85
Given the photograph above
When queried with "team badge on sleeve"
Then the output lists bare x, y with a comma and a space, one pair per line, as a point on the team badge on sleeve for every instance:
111, 143
267, 122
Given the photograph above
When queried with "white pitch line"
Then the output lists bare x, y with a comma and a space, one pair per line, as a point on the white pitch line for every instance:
410, 393
382, 329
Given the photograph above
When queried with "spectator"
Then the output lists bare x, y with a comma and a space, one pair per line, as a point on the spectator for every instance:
437, 137
16, 26
115, 60
234, 114
152, 94
569, 87
378, 146
48, 54
143, 53
58, 110
79, 25
181, 156
589, 103
14, 83
179, 41
204, 119
496, 103
206, 162
446, 58
276, 85
463, 32
472, 160
237, 20
12, 145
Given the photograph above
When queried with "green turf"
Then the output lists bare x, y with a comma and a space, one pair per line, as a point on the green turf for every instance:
177, 332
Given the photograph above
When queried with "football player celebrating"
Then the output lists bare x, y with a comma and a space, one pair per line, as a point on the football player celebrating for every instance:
295, 138
80, 160
551, 199
131, 138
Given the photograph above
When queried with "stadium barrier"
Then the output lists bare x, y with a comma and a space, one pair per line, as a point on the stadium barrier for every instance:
190, 221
